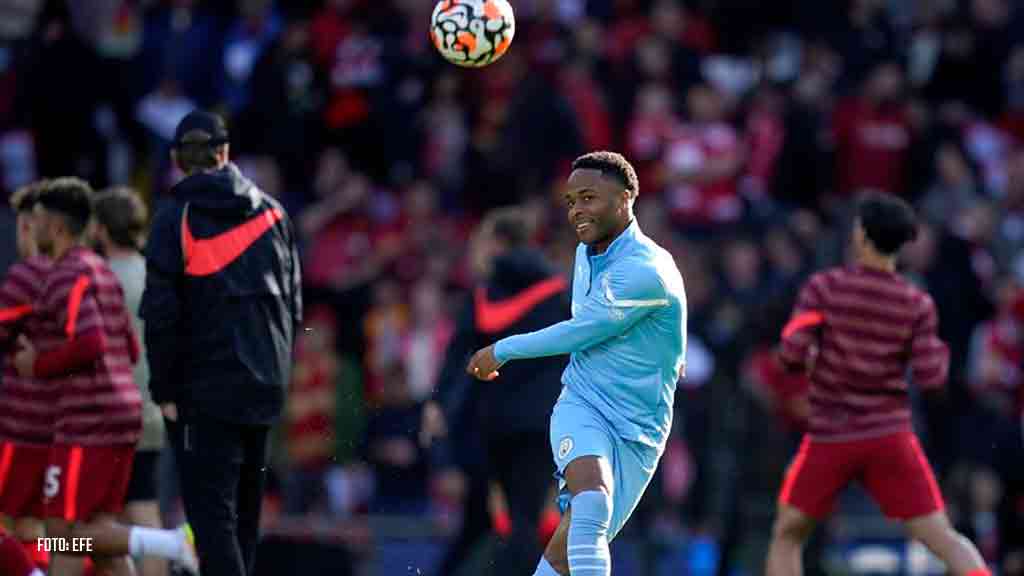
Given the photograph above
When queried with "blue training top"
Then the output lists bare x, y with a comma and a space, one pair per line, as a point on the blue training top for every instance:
626, 337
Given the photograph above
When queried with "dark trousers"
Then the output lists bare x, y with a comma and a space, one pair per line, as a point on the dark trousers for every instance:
522, 465
221, 466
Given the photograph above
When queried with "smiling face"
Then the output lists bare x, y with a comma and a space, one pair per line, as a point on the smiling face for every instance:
599, 207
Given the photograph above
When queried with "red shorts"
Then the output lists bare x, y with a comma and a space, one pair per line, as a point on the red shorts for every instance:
22, 469
85, 481
893, 469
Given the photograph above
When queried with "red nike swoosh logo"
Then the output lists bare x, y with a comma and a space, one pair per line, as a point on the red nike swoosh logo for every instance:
207, 256
498, 315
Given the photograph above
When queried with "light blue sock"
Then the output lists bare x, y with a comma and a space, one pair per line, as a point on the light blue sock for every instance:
545, 569
588, 534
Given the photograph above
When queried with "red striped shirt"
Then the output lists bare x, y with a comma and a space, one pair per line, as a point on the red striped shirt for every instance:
27, 405
859, 331
99, 405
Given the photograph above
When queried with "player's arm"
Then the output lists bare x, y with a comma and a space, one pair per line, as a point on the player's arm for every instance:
632, 293
78, 313
929, 355
802, 332
162, 304
14, 307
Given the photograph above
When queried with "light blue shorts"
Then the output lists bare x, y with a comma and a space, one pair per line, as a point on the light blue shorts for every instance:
579, 430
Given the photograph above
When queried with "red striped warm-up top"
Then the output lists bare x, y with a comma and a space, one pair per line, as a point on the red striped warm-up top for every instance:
27, 405
98, 401
858, 331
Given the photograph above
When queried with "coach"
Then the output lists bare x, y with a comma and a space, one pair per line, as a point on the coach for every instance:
221, 307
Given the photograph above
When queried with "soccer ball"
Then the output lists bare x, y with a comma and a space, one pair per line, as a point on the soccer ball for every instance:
472, 33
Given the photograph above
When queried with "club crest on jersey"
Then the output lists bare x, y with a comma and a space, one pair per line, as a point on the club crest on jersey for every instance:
564, 447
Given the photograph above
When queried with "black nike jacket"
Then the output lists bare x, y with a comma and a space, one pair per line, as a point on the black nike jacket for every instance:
223, 299
523, 294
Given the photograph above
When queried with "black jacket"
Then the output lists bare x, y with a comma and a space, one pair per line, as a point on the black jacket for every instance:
522, 396
223, 299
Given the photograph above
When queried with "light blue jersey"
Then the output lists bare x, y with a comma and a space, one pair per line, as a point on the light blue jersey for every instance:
626, 337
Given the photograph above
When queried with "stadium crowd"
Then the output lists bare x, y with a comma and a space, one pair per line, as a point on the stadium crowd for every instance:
753, 125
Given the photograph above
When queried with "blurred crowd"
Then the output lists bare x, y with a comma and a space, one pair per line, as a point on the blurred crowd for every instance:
752, 124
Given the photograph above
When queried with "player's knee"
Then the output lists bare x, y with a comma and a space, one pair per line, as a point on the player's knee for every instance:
792, 525
57, 528
592, 509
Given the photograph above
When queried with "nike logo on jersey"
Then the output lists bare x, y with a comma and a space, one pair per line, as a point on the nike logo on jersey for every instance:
495, 316
206, 256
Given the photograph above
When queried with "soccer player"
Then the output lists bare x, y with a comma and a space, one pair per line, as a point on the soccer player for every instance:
98, 405
120, 223
857, 330
26, 404
626, 341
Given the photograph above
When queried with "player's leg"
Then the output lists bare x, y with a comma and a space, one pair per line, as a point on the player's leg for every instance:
554, 561
21, 495
785, 553
141, 507
959, 554
813, 480
580, 544
113, 536
113, 566
902, 482
85, 490
590, 481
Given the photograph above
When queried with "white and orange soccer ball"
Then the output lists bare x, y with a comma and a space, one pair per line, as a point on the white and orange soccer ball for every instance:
472, 33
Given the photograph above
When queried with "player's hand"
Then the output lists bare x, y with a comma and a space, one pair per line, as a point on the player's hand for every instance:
170, 411
483, 365
25, 359
433, 425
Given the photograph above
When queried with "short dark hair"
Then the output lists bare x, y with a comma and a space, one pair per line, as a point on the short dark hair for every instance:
510, 225
197, 156
123, 213
610, 164
69, 197
888, 221
24, 198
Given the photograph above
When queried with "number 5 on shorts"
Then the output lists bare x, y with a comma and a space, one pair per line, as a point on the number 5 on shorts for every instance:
52, 483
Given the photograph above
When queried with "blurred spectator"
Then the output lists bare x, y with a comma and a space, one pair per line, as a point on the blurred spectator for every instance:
392, 449
872, 134
62, 127
386, 327
182, 43
246, 40
703, 161
955, 188
310, 413
284, 119
430, 330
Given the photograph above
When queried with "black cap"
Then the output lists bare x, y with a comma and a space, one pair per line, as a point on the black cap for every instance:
201, 127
